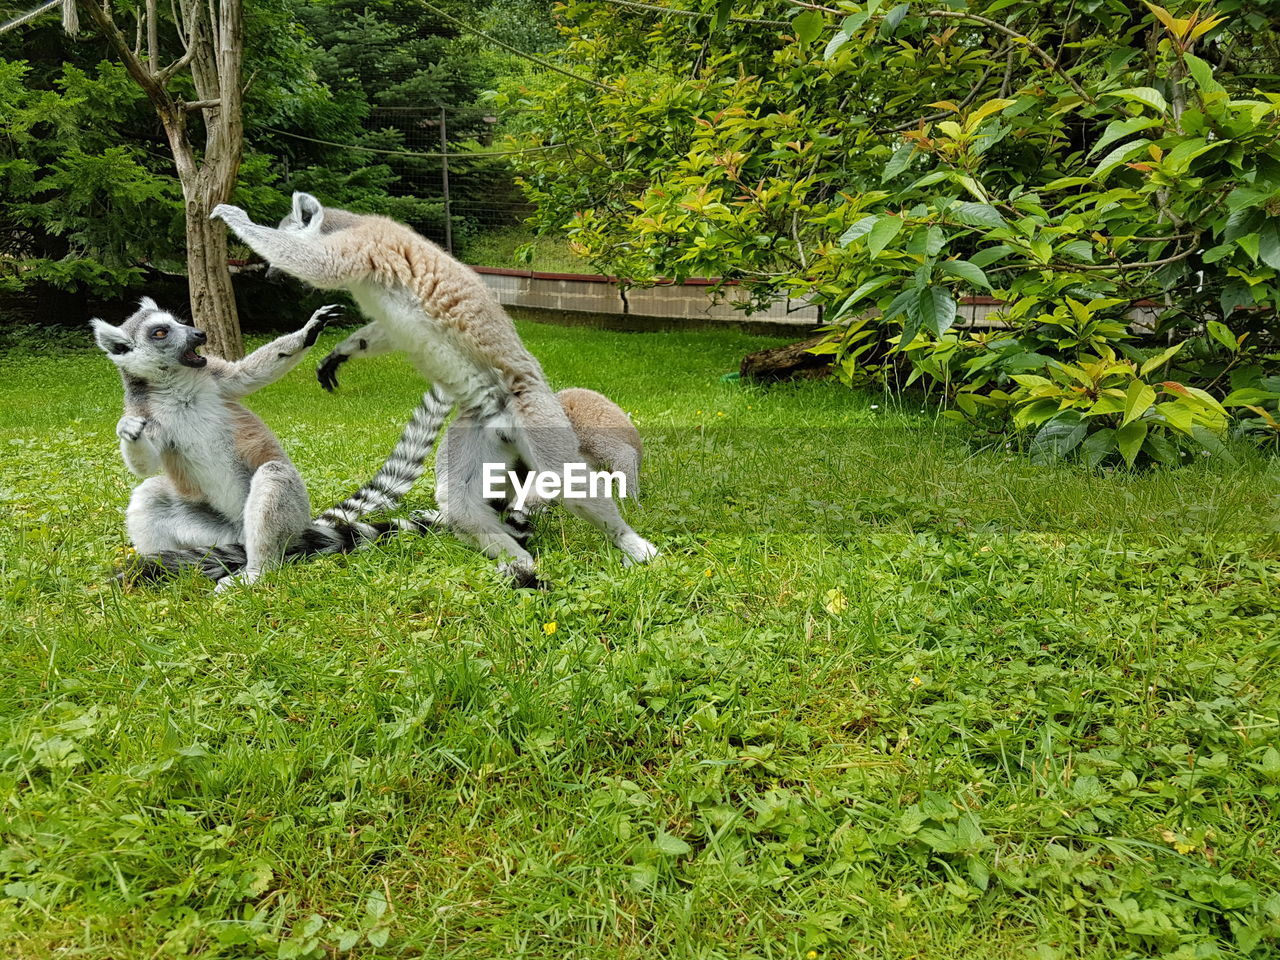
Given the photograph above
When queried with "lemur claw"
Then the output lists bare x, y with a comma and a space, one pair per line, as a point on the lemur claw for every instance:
327, 372
318, 321
130, 428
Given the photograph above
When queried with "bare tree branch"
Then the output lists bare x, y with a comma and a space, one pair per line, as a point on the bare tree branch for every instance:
153, 35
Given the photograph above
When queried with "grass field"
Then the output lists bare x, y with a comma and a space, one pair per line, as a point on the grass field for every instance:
884, 695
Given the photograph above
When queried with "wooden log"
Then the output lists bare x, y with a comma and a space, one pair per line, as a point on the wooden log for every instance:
790, 362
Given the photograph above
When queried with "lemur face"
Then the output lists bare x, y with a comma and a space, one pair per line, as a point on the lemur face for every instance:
151, 342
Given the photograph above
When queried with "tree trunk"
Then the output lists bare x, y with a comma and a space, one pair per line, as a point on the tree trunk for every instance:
213, 302
213, 40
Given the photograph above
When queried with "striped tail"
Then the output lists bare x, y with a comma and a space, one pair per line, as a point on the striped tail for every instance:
403, 466
318, 539
339, 529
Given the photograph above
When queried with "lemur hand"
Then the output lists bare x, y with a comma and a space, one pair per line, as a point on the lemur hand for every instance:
327, 372
130, 429
319, 320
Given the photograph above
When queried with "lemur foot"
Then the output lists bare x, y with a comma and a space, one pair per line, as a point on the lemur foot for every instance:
130, 429
641, 551
233, 580
521, 575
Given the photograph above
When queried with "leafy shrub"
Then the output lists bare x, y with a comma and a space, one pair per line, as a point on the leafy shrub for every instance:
1076, 162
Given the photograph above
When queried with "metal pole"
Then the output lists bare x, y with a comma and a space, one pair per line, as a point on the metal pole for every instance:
444, 184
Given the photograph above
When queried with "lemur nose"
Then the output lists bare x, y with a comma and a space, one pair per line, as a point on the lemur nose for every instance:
201, 336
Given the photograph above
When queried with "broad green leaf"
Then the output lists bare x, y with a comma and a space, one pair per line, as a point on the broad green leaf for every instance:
986, 110
853, 23
1222, 333
1202, 74
1178, 160
1159, 448
860, 229
935, 310
1212, 443
969, 272
808, 26
1160, 359
882, 234
1078, 250
1147, 96
893, 19
834, 44
901, 304
897, 163
723, 9
1035, 413
670, 846
1177, 414
1097, 446
1269, 245
1129, 440
1122, 128
989, 255
976, 214
1119, 155
1058, 437
1137, 401
1246, 396
863, 289
1208, 399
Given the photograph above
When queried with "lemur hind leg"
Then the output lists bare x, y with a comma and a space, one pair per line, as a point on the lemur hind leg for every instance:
276, 512
158, 519
468, 445
547, 441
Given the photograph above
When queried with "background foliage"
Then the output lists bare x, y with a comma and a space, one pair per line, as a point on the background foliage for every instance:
1075, 160
87, 193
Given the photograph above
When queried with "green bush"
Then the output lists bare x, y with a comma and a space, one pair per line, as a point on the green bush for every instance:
1074, 161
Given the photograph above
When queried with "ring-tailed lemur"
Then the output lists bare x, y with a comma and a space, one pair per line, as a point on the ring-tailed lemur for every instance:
458, 336
227, 500
607, 437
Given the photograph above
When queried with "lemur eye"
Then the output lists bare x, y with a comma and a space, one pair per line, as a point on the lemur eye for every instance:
159, 333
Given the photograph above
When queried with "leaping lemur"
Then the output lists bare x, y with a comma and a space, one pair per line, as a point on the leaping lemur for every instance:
456, 333
227, 499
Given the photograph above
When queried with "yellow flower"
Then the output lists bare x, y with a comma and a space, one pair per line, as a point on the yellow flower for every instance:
719, 413
708, 572
549, 628
916, 682
811, 954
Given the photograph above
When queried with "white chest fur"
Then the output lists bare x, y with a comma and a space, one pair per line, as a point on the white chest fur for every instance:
433, 348
192, 432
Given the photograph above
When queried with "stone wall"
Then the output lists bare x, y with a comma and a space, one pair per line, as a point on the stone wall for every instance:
589, 298
666, 304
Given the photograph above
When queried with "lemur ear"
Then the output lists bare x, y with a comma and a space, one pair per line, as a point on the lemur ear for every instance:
110, 338
146, 303
307, 211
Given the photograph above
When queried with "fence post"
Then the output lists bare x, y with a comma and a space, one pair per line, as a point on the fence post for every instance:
444, 184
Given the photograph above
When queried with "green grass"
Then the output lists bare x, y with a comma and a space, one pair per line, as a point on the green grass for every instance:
884, 695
